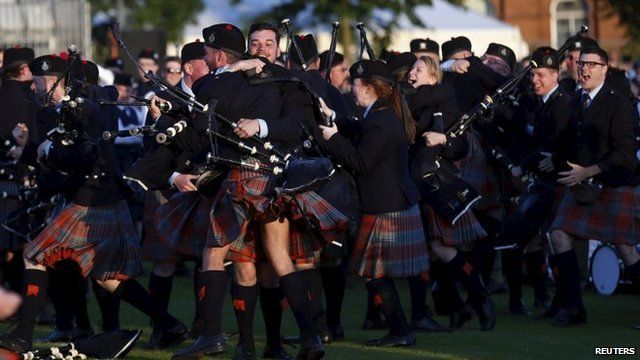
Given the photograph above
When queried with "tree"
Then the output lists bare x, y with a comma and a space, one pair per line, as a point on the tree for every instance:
347, 12
628, 13
169, 15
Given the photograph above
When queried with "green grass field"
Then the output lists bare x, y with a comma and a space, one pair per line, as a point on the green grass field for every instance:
610, 321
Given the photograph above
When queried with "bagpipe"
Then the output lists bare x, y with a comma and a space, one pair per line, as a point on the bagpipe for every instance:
332, 51
69, 125
364, 43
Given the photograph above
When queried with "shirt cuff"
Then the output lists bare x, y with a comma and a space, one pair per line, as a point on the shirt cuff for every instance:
47, 148
172, 178
264, 130
446, 65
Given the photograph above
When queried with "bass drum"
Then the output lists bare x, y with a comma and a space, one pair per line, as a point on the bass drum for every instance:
605, 269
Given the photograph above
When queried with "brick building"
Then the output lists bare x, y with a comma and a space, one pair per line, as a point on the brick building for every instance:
544, 22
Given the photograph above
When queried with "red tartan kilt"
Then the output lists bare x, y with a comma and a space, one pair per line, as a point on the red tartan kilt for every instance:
248, 248
466, 230
245, 195
8, 240
390, 245
153, 248
614, 218
101, 239
477, 171
183, 223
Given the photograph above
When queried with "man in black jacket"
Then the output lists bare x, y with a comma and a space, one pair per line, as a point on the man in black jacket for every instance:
599, 142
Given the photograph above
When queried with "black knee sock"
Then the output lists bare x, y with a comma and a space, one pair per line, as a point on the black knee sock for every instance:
373, 312
298, 297
569, 274
316, 292
14, 272
418, 292
469, 277
198, 305
557, 299
537, 271
132, 292
386, 298
80, 305
512, 269
446, 298
109, 305
160, 289
333, 282
244, 305
271, 306
62, 292
632, 272
212, 290
33, 300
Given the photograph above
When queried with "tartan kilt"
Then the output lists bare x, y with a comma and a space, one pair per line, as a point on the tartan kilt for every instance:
153, 248
390, 245
248, 248
182, 223
101, 239
466, 230
614, 218
8, 240
245, 195
476, 169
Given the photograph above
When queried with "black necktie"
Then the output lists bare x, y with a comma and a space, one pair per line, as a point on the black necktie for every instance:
585, 101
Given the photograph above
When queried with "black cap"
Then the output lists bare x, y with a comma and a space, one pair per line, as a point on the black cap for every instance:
14, 56
403, 61
192, 51
149, 54
425, 45
337, 59
545, 57
47, 65
122, 79
386, 54
370, 69
582, 42
308, 48
503, 52
455, 45
114, 63
90, 72
226, 37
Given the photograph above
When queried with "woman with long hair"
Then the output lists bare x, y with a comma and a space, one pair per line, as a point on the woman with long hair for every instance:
390, 242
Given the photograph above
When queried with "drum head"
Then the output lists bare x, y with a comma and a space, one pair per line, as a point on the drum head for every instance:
605, 270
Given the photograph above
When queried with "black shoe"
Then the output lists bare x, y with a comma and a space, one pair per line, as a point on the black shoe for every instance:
337, 332
570, 316
203, 346
518, 307
543, 302
550, 313
173, 336
245, 352
495, 287
109, 345
486, 313
637, 326
428, 324
326, 337
311, 349
154, 339
374, 324
14, 343
460, 317
60, 335
393, 341
275, 351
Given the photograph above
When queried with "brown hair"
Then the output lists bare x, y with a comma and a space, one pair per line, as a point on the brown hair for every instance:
391, 96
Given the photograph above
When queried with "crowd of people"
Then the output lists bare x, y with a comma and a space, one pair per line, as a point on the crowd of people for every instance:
285, 171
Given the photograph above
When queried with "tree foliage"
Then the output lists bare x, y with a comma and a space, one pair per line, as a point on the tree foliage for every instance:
380, 16
628, 13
